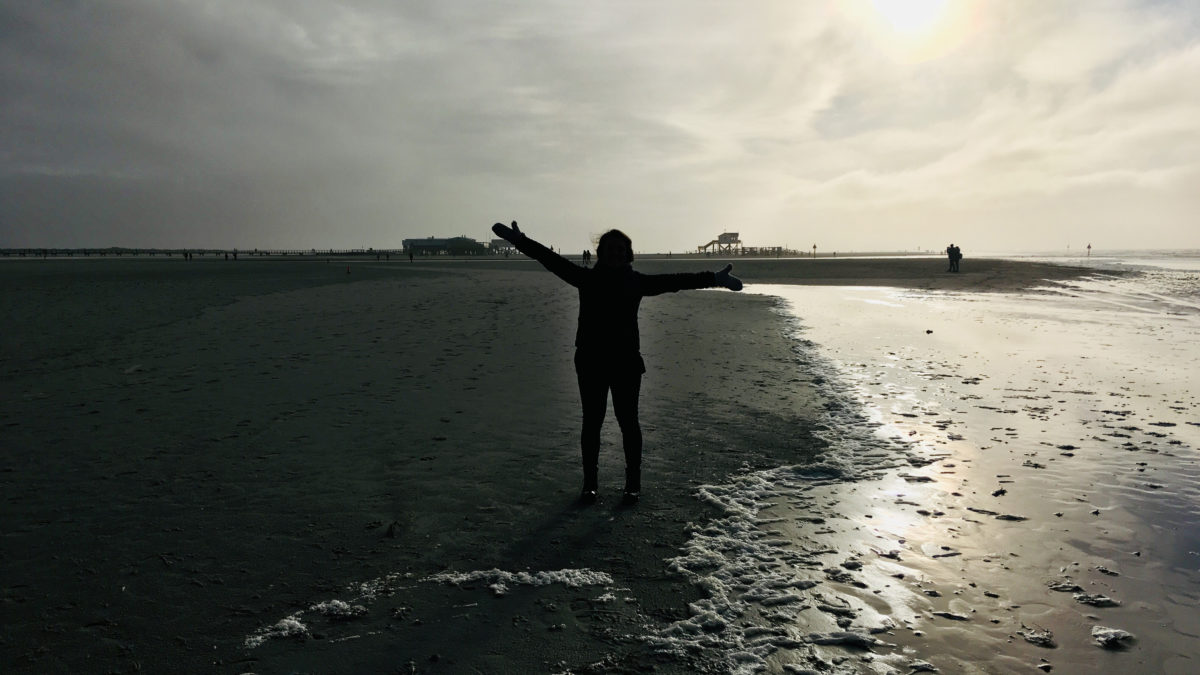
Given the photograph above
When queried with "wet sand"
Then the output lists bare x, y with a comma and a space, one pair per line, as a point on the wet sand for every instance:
195, 452
1049, 483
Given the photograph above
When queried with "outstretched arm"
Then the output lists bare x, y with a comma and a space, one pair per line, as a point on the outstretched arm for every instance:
655, 284
564, 269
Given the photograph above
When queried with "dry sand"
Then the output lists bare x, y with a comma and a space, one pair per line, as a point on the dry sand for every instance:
194, 451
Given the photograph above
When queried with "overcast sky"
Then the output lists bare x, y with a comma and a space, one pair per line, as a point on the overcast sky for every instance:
1000, 125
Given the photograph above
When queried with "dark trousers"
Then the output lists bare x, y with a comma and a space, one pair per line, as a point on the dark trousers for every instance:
598, 375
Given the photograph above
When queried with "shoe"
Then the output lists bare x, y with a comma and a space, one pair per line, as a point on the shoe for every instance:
633, 486
590, 484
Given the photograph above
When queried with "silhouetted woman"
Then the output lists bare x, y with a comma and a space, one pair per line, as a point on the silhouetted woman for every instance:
607, 347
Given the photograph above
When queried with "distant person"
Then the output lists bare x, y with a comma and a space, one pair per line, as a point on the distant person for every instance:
952, 257
607, 345
410, 255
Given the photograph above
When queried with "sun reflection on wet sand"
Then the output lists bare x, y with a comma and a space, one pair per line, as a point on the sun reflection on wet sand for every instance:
1050, 442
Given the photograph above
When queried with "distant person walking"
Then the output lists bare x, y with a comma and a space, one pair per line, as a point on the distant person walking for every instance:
607, 345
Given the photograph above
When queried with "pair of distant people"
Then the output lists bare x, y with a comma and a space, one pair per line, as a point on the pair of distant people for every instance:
954, 254
607, 345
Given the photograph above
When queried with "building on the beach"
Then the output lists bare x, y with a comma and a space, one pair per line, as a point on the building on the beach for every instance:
460, 245
729, 243
726, 242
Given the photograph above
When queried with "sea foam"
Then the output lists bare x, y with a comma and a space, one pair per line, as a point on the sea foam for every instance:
368, 591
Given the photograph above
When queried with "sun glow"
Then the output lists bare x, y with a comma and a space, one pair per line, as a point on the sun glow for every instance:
915, 31
911, 17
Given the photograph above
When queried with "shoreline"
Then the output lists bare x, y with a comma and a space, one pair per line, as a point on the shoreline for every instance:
267, 415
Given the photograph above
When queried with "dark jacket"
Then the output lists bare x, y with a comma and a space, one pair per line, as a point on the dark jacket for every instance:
609, 298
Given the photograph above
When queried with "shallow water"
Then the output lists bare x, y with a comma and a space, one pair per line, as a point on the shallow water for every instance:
1060, 430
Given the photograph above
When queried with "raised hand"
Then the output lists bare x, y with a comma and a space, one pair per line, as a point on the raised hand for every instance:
508, 233
724, 278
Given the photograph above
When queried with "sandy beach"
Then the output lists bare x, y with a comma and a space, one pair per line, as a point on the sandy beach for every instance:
280, 466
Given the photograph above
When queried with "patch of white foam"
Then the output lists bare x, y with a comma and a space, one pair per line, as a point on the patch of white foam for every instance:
759, 584
290, 626
498, 581
338, 609
572, 578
